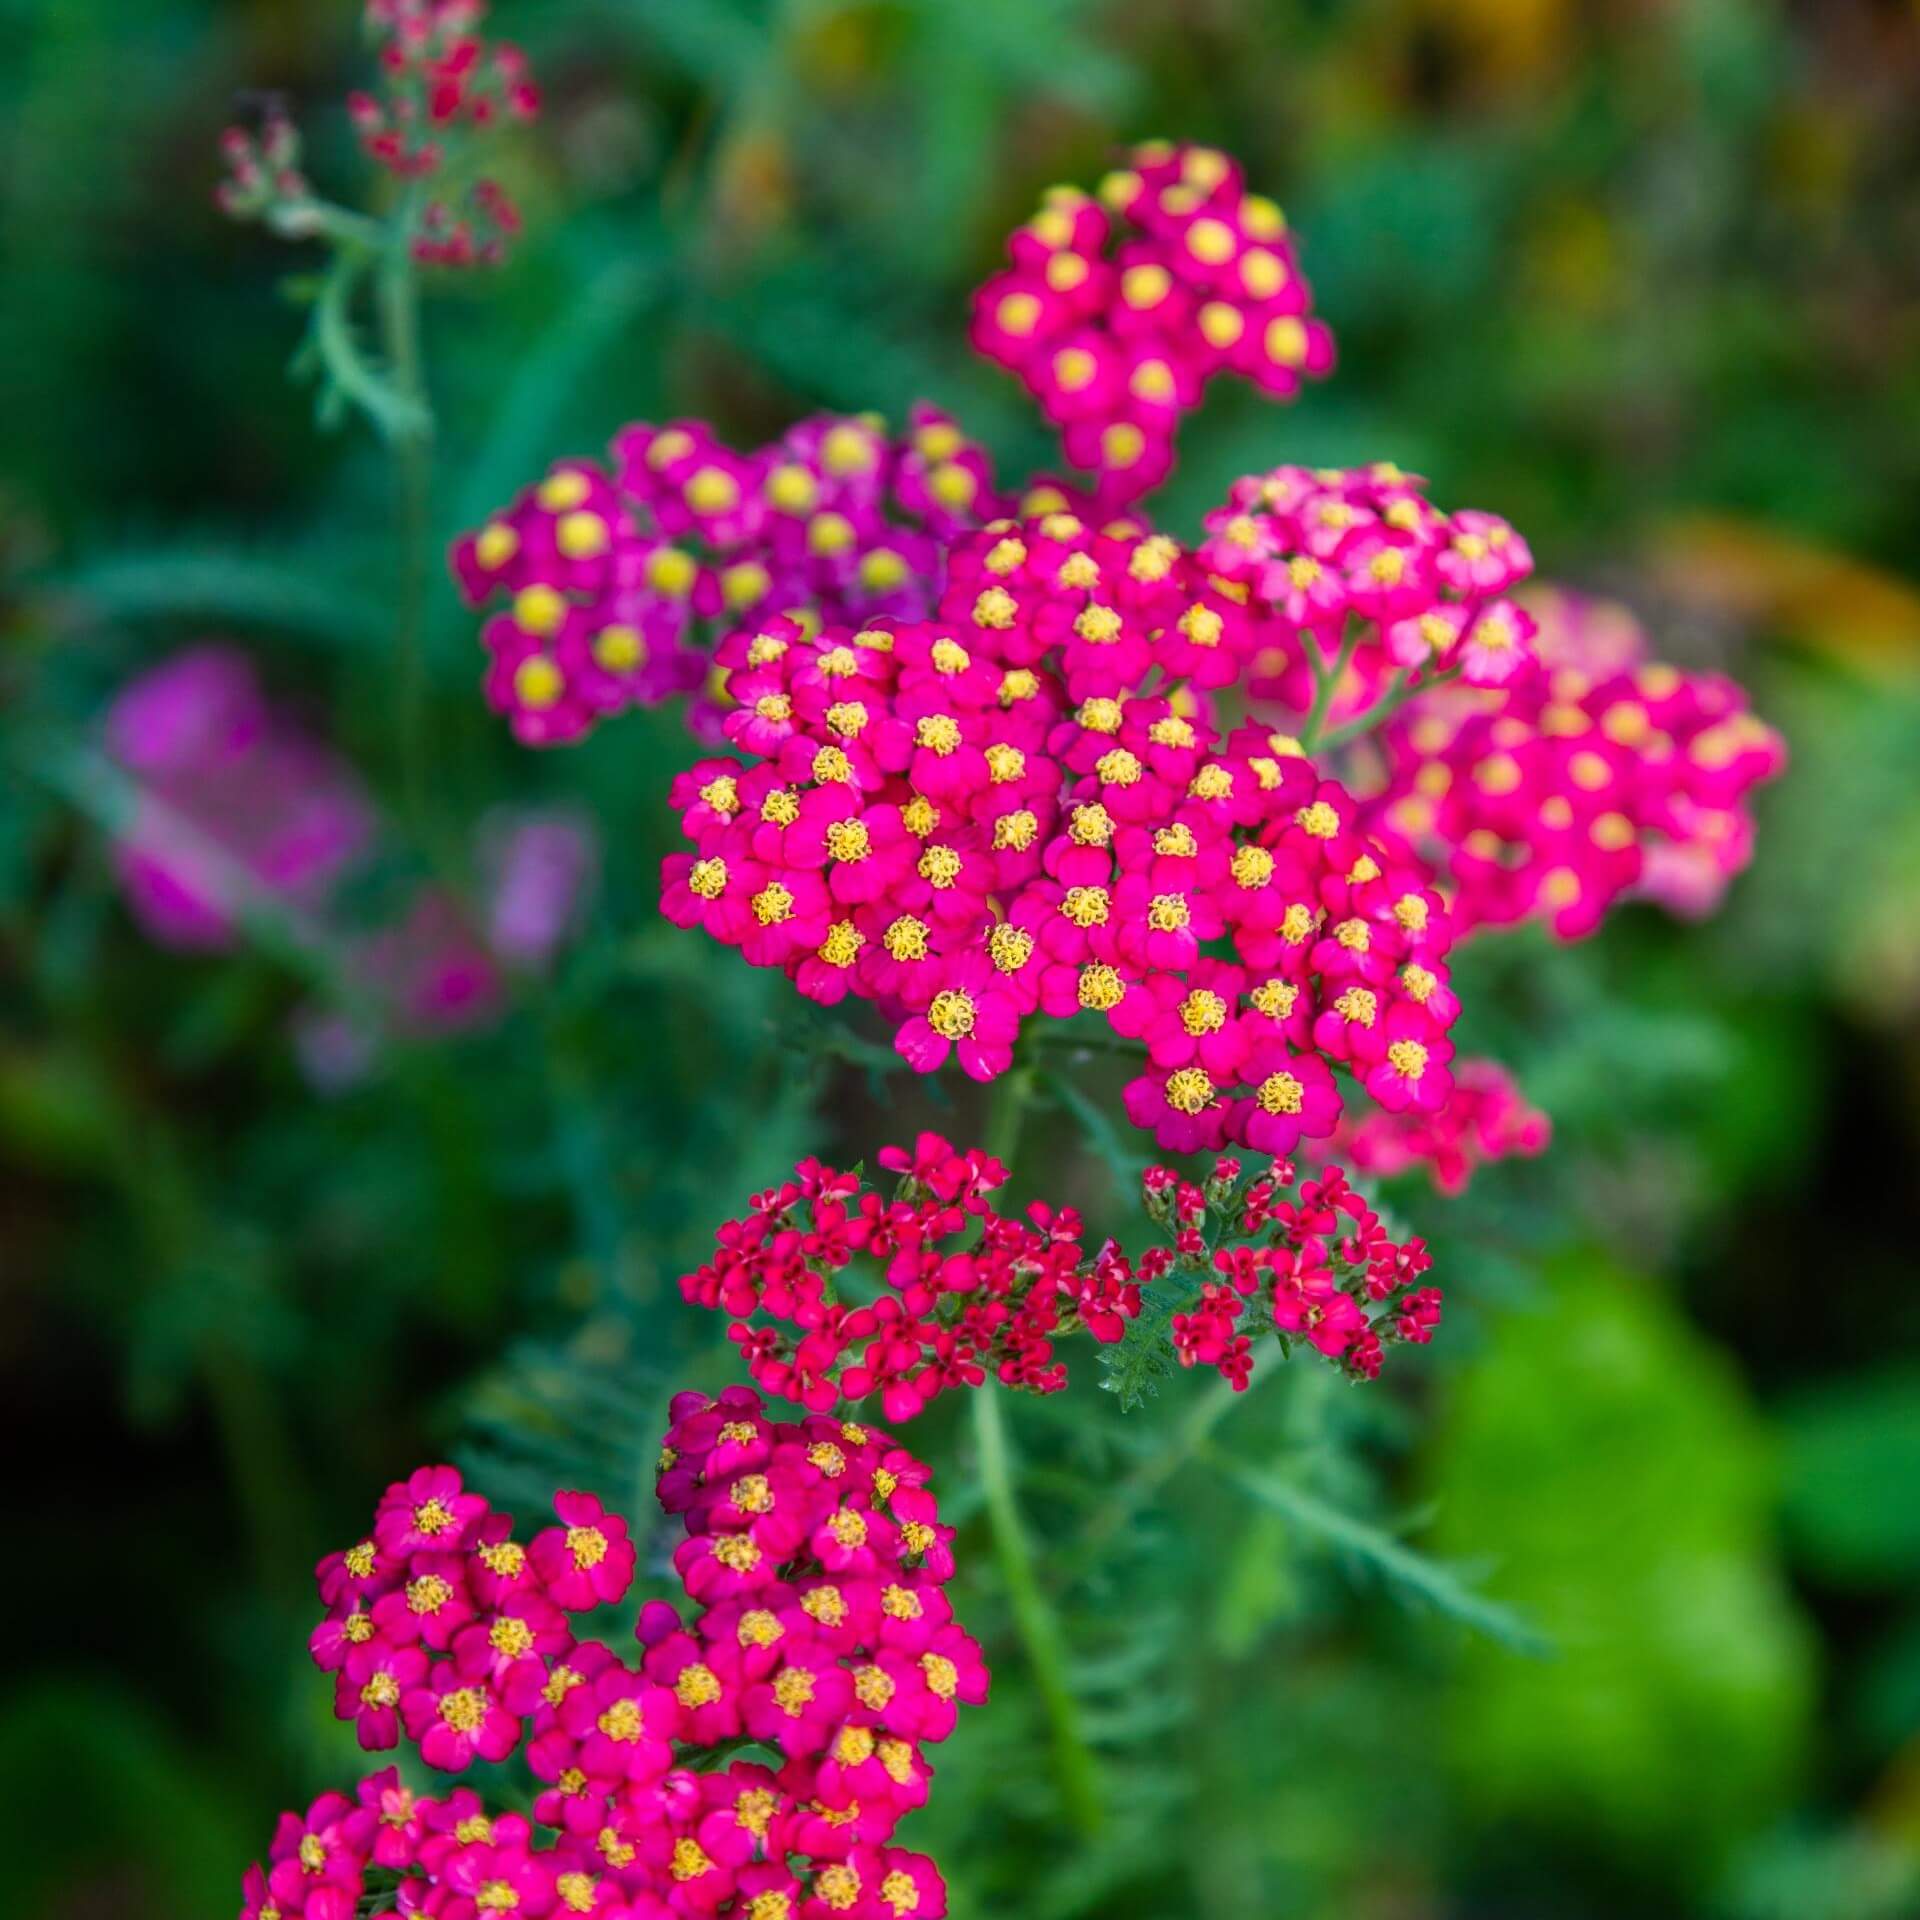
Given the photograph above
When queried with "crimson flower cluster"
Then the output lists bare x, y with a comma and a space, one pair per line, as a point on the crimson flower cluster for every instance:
815, 1564
440, 80
944, 1313
616, 579
1595, 773
1486, 1118
441, 83
1119, 308
1002, 813
1313, 1254
1357, 563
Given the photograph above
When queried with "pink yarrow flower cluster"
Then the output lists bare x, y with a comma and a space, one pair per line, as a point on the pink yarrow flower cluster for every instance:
616, 580
1356, 567
1023, 808
235, 804
1313, 1254
1486, 1118
1594, 775
962, 1290
1118, 309
815, 1565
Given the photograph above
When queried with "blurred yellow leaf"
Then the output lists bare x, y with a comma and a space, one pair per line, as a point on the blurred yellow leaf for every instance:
1862, 616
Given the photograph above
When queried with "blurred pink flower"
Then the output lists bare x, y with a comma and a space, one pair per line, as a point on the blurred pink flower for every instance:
235, 805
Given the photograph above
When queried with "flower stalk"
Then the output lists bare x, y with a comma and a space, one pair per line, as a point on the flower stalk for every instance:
1035, 1620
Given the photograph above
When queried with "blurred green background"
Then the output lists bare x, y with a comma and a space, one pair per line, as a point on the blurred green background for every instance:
1643, 275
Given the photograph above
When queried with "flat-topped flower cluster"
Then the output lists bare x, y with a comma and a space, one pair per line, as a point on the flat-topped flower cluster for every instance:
1357, 563
958, 1289
1312, 1253
815, 1563
1119, 307
616, 580
1024, 808
1596, 773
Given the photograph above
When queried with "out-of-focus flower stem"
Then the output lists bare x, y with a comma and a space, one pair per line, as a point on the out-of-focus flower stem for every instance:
411, 437
1389, 703
1326, 683
1034, 1617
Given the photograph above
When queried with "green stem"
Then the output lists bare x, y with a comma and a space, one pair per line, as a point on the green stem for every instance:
1404, 688
1034, 1618
412, 441
1326, 683
1189, 1438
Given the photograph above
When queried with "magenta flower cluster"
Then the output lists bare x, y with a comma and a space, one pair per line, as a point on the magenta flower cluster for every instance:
239, 815
616, 580
815, 1564
999, 814
1595, 773
1119, 308
1486, 1118
233, 801
946, 1314
1313, 1254
1357, 566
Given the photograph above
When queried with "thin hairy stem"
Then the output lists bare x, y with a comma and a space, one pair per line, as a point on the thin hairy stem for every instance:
1034, 1618
412, 441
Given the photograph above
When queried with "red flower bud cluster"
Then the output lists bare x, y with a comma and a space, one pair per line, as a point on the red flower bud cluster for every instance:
1119, 309
944, 1304
1312, 1252
441, 85
816, 1566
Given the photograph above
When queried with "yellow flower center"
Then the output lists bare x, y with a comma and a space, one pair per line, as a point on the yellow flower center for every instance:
510, 1636
697, 1686
996, 607
464, 1709
1189, 1090
1280, 1093
1408, 1058
951, 1014
906, 938
842, 945
773, 905
939, 733
848, 840
793, 1691
1086, 906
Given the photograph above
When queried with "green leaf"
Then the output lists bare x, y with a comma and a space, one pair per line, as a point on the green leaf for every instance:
1369, 1549
1608, 1459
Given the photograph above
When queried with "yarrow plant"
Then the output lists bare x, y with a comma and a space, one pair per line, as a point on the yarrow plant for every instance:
1013, 769
817, 1635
